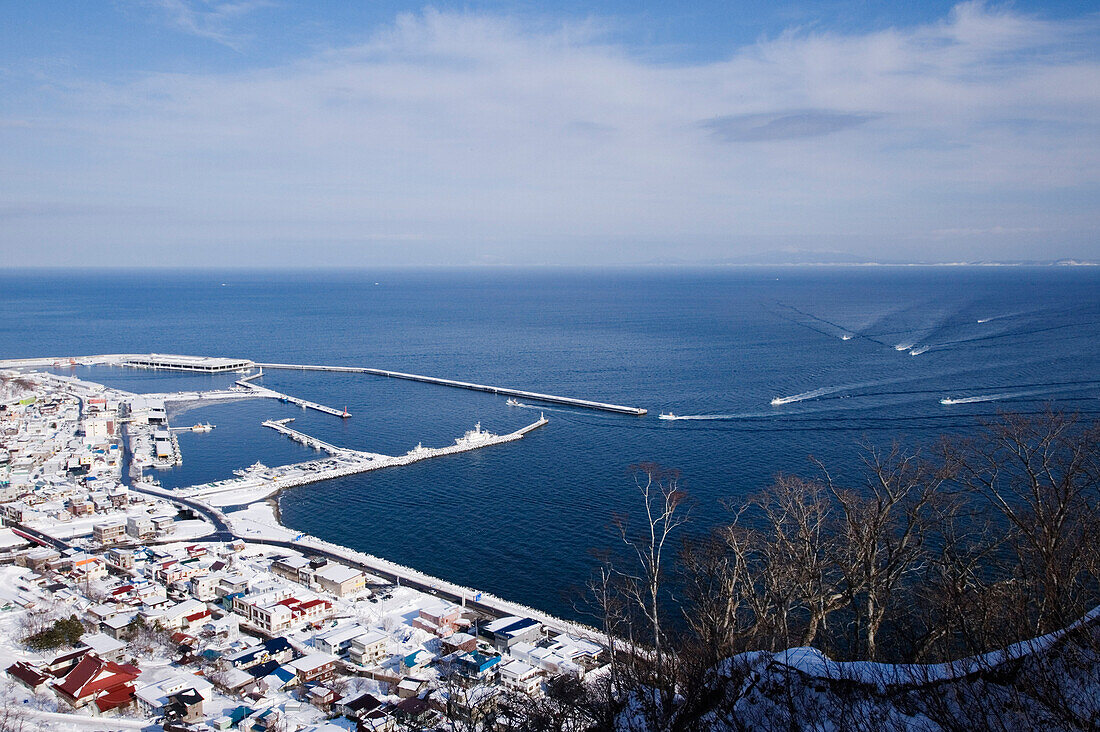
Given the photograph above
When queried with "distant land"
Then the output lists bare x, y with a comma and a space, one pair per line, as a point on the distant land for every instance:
796, 257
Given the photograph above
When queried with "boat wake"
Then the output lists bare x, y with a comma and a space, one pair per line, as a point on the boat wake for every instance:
1004, 395
986, 398
991, 318
919, 351
905, 346
778, 401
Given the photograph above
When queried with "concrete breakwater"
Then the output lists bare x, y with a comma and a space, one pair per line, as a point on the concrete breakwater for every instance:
261, 481
536, 396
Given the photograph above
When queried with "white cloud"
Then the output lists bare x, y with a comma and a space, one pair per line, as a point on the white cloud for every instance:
463, 137
215, 20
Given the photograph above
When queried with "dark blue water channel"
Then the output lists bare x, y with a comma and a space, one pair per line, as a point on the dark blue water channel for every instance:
519, 519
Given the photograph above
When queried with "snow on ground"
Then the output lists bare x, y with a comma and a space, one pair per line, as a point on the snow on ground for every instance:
258, 522
79, 527
9, 539
192, 529
241, 496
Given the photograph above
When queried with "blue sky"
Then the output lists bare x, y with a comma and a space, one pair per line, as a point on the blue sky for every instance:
259, 132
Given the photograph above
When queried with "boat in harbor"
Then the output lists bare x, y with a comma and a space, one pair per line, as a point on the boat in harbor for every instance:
514, 403
667, 415
202, 427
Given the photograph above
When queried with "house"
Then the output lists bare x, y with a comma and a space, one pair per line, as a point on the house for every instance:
369, 649
294, 568
414, 712
117, 626
276, 615
477, 667
416, 661
337, 640
225, 629
340, 580
440, 619
276, 649
29, 676
140, 527
204, 587
165, 525
409, 687
109, 532
178, 697
104, 646
459, 642
121, 558
522, 677
87, 568
107, 684
184, 706
315, 667
354, 707
506, 632
565, 654
63, 663
322, 697
185, 616
176, 571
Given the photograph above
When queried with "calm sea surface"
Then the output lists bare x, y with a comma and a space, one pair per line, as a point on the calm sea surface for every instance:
857, 354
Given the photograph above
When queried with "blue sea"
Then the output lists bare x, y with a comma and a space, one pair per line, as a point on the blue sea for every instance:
853, 355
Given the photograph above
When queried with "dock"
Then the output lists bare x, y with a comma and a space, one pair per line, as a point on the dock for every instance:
280, 425
536, 396
263, 391
256, 484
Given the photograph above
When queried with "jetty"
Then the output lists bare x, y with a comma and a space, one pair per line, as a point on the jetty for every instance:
260, 481
246, 383
536, 396
280, 425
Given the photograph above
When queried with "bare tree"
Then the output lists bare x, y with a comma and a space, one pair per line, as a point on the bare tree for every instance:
665, 510
885, 525
1041, 475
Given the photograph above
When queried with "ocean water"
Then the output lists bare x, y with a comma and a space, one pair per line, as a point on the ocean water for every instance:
851, 354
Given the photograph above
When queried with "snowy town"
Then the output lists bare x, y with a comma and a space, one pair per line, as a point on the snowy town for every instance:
122, 607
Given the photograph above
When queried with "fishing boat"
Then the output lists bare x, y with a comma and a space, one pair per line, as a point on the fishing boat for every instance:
202, 427
667, 415
515, 403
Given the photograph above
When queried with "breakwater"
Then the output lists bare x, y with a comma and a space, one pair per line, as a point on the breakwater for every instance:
536, 396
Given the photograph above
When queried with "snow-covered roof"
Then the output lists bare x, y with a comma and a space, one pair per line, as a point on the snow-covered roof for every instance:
338, 573
101, 644
157, 693
311, 662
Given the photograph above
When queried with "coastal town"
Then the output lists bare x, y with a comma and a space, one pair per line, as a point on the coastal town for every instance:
126, 605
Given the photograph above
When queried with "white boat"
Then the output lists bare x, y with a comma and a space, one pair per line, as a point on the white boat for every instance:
667, 415
514, 403
202, 427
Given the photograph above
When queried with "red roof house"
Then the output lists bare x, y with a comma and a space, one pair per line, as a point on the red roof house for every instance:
110, 685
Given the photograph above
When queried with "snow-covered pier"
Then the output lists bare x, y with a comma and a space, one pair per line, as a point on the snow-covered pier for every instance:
260, 481
550, 398
280, 425
246, 383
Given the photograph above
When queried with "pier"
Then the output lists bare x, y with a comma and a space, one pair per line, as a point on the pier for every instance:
536, 396
247, 384
280, 425
260, 482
